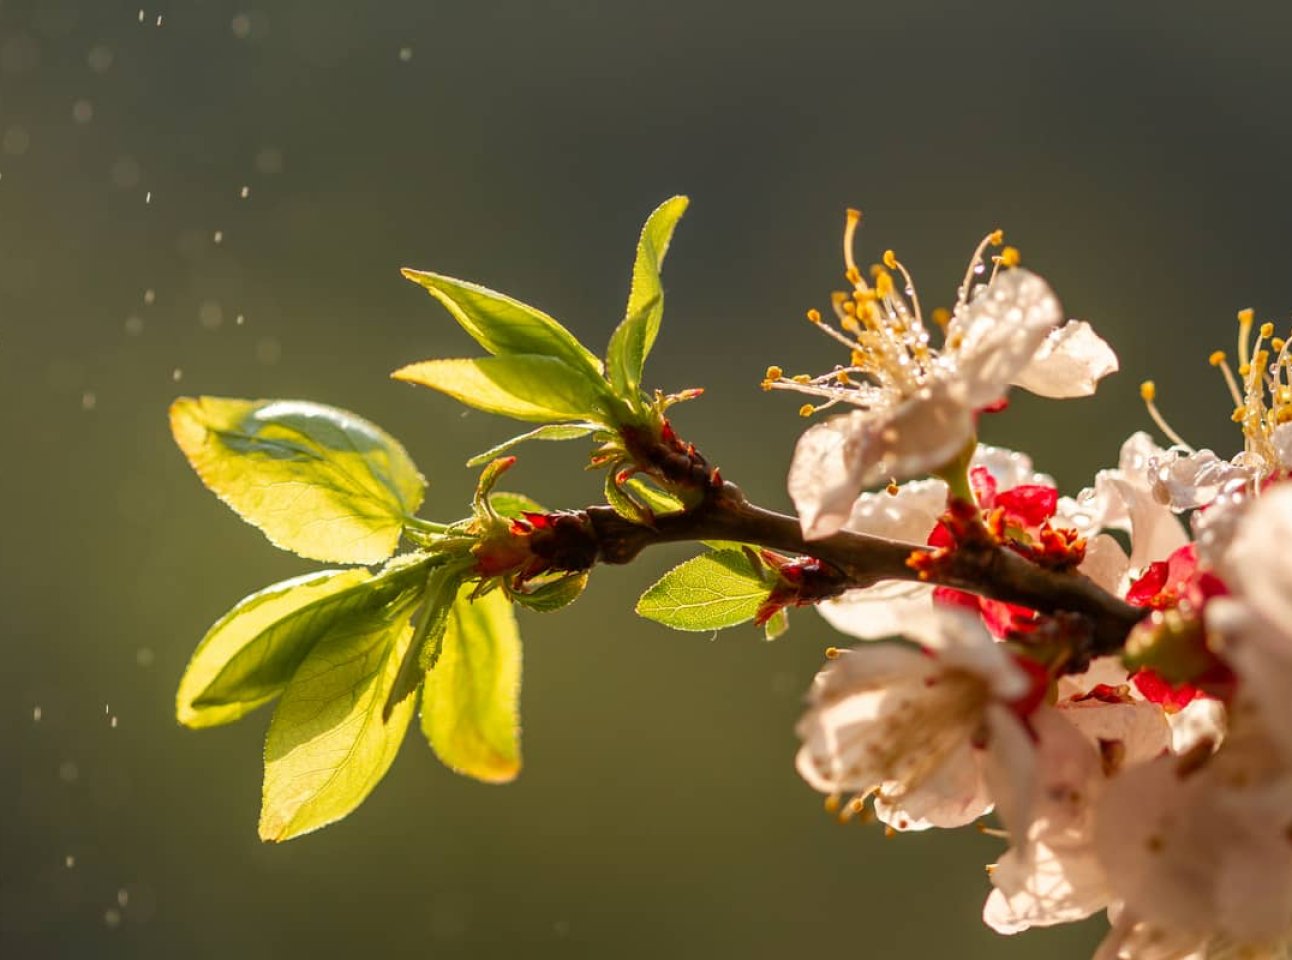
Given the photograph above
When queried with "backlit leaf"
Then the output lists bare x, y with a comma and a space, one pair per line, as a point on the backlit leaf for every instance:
251, 652
470, 705
504, 326
709, 592
523, 386
632, 341
318, 481
551, 431
327, 745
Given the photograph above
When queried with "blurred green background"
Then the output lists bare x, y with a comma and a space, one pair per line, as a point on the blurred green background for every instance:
1137, 153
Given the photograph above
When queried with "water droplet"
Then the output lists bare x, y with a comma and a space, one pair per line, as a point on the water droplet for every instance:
82, 111
123, 897
144, 657
978, 268
112, 918
150, 296
405, 54
134, 326
68, 772
210, 315
99, 58
217, 237
69, 861
910, 290
244, 192
88, 400
36, 714
177, 374
268, 351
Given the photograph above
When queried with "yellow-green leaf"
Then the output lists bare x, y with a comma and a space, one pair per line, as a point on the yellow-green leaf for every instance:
327, 746
523, 386
318, 481
709, 592
551, 431
250, 654
470, 704
632, 341
504, 326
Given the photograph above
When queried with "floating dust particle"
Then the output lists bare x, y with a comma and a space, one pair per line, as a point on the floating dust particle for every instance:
83, 111
244, 192
148, 197
144, 657
16, 141
113, 723
88, 400
141, 14
241, 26
134, 325
159, 19
112, 918
123, 898
269, 160
150, 296
177, 374
69, 861
239, 320
405, 54
217, 237
69, 772
36, 714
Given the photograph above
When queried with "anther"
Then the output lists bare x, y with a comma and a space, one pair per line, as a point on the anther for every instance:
1267, 329
996, 237
774, 372
1148, 391
1010, 257
892, 489
801, 378
814, 315
833, 653
807, 410
1217, 358
890, 259
941, 316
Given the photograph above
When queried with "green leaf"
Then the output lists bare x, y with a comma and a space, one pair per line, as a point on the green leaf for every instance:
327, 745
424, 650
624, 505
250, 654
523, 386
552, 431
659, 501
512, 505
318, 481
708, 592
632, 341
554, 595
777, 626
504, 326
470, 706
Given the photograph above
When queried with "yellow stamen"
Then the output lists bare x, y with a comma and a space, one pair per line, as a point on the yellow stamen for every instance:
814, 315
890, 259
1010, 257
774, 372
1217, 359
801, 378
807, 410
852, 219
892, 489
942, 316
1267, 330
1148, 393
842, 376
832, 803
1245, 318
996, 237
832, 653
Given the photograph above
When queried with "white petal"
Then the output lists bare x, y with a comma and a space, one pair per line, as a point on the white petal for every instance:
1069, 363
908, 515
1256, 564
1052, 887
880, 611
1008, 468
959, 639
953, 796
1009, 768
1140, 727
824, 478
1106, 562
1185, 481
1000, 332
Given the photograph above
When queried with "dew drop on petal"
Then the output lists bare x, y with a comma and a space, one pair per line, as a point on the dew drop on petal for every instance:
979, 268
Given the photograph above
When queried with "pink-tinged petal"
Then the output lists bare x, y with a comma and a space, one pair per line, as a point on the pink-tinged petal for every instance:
1139, 728
1155, 531
1199, 720
1106, 562
1008, 468
1070, 362
1009, 768
1258, 651
1000, 332
1185, 481
953, 796
1051, 887
958, 639
907, 515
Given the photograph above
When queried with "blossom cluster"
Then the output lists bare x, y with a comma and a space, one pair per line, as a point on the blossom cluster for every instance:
1153, 782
